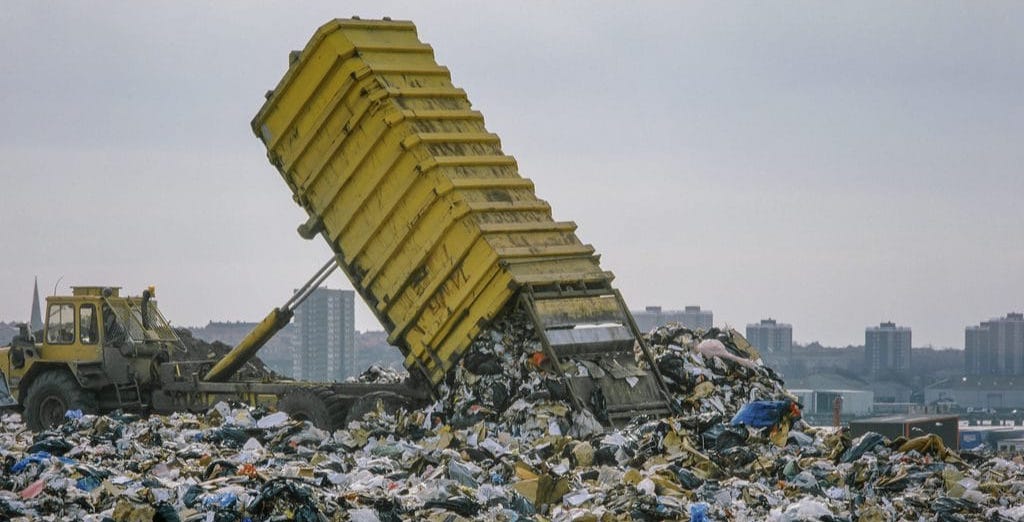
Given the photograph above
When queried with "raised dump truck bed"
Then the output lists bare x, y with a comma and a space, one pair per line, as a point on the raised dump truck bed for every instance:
429, 218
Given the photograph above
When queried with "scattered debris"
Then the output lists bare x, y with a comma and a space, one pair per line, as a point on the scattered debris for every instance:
502, 443
380, 375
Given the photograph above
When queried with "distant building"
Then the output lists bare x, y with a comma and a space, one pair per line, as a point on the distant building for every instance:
893, 426
977, 356
277, 353
892, 391
227, 332
372, 348
7, 332
815, 359
999, 393
36, 321
972, 437
825, 380
995, 347
818, 404
691, 317
886, 348
324, 343
771, 336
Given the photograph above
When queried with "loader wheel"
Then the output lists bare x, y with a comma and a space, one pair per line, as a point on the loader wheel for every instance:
390, 402
52, 394
320, 406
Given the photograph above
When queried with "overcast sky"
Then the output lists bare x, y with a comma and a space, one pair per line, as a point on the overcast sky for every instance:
828, 165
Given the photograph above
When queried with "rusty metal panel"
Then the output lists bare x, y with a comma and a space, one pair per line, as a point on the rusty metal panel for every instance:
571, 311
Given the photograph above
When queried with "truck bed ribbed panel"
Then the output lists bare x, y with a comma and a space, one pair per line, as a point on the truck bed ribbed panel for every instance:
434, 224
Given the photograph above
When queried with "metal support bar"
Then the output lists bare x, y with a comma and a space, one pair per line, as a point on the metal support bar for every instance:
277, 319
312, 284
647, 353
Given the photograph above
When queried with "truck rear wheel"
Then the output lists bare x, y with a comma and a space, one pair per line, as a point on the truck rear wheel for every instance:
389, 402
320, 406
52, 394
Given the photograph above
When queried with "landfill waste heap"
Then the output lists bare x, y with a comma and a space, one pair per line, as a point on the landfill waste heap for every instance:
452, 249
503, 444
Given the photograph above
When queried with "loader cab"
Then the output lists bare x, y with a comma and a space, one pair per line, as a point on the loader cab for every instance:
79, 326
72, 338
73, 333
74, 326
97, 336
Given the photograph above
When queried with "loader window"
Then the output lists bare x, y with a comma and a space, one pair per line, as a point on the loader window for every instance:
60, 324
87, 324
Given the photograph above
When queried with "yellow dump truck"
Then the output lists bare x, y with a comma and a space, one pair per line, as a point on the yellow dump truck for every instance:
425, 214
430, 219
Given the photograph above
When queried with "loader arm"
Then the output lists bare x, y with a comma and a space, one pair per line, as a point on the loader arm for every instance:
274, 322
247, 348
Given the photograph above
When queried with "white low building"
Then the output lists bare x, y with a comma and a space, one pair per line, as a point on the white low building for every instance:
855, 403
1000, 393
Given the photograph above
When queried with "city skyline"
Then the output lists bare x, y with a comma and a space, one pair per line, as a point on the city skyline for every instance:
671, 313
690, 316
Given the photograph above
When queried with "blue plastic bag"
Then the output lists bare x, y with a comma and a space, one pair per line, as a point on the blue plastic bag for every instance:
38, 457
87, 483
699, 512
761, 414
222, 500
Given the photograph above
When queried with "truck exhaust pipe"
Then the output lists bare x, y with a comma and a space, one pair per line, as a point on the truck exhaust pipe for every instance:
146, 296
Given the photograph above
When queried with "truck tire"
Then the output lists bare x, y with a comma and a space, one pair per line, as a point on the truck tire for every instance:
320, 406
390, 402
50, 395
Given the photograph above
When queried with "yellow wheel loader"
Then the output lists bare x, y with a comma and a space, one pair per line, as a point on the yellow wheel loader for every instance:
101, 351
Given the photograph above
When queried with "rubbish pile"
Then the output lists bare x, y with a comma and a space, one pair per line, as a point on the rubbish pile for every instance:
505, 381
377, 374
502, 444
199, 350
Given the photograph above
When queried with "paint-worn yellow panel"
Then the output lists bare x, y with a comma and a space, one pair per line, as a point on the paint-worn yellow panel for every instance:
434, 225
